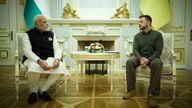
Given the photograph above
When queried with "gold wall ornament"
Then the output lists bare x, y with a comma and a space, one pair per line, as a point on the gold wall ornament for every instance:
2, 2
121, 12
69, 12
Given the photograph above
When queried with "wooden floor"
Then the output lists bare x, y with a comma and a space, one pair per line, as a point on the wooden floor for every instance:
94, 92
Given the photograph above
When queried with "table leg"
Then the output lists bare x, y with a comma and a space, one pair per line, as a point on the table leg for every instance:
77, 78
111, 75
81, 63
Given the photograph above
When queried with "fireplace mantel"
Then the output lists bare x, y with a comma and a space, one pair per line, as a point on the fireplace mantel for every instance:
93, 21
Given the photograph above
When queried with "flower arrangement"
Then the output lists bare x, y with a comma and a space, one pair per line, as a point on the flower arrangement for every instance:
96, 47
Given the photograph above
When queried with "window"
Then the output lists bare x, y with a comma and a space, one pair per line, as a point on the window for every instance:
97, 9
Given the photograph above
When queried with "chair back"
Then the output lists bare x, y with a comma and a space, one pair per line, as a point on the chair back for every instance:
20, 44
19, 54
167, 53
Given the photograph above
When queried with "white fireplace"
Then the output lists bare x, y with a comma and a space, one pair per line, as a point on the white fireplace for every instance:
110, 43
81, 33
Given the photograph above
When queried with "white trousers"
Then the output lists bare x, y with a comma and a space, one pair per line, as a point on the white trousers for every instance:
34, 72
35, 84
34, 67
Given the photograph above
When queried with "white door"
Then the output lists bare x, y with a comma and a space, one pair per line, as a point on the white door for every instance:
7, 31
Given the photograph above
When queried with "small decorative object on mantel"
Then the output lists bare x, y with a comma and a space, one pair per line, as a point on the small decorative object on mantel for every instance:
121, 12
96, 47
69, 12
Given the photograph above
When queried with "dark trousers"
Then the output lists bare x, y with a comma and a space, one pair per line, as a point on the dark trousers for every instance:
155, 75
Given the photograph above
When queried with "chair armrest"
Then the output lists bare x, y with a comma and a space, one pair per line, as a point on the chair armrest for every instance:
16, 55
174, 63
16, 64
174, 56
63, 56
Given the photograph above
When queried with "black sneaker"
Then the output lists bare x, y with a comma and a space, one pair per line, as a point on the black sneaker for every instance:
45, 96
152, 102
130, 94
32, 98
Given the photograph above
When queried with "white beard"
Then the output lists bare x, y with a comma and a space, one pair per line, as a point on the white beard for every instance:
47, 29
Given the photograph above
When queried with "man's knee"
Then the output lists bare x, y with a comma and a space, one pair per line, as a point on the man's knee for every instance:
156, 62
130, 61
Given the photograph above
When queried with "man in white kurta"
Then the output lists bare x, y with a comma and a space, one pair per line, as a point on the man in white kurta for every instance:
42, 56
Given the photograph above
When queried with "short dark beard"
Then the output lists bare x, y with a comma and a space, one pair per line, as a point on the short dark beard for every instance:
142, 28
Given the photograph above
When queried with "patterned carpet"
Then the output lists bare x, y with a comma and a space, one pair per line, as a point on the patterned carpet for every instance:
94, 92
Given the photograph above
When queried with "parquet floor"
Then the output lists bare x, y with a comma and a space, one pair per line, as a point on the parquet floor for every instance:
94, 92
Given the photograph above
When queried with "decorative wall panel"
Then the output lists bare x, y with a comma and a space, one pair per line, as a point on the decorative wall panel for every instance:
179, 40
180, 55
4, 13
4, 54
178, 22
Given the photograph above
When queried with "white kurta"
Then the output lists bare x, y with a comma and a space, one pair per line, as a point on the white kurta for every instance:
31, 62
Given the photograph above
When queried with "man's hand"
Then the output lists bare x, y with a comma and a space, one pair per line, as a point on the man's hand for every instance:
43, 64
55, 64
144, 61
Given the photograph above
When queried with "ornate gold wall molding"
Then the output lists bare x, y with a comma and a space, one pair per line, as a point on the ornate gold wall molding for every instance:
2, 2
180, 55
4, 54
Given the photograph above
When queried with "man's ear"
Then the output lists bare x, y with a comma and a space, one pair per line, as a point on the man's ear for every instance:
149, 24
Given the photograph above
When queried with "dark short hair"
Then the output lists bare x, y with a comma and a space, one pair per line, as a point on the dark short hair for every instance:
147, 17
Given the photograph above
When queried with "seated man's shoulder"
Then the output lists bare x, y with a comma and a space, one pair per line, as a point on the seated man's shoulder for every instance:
137, 35
157, 32
30, 31
50, 33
